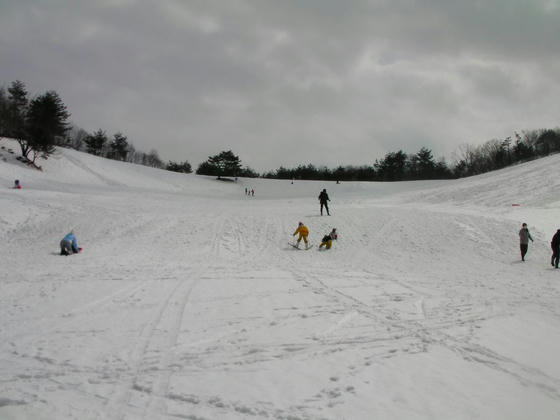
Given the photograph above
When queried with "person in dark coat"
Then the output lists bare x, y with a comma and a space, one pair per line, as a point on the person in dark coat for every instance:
524, 237
323, 198
555, 245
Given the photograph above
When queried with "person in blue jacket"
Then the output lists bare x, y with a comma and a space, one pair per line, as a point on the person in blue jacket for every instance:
69, 244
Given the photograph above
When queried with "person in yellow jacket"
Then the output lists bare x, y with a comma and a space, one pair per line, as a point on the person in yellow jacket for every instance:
303, 232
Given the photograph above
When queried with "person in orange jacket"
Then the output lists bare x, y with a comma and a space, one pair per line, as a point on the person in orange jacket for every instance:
303, 232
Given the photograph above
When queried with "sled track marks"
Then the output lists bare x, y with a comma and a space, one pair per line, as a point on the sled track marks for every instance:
435, 328
104, 179
231, 239
72, 317
150, 362
242, 238
450, 324
160, 385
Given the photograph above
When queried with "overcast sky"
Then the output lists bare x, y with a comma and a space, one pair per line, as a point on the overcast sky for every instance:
284, 82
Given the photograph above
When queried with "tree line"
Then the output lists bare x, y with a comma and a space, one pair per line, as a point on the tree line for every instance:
41, 123
395, 166
470, 160
400, 166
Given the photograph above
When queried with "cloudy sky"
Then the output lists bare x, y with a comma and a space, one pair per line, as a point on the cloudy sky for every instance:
284, 82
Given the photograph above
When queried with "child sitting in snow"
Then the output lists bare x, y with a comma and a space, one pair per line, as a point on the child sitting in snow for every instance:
69, 244
327, 239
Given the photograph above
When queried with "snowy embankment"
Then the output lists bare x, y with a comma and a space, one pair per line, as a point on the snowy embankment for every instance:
187, 301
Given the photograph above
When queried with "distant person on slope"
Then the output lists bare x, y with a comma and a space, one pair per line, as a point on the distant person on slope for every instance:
555, 245
69, 244
303, 233
323, 198
524, 237
327, 239
17, 185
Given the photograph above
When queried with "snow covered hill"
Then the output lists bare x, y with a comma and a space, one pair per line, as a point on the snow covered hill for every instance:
188, 302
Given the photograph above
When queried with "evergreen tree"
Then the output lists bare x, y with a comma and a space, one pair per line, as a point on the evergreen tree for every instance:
14, 119
392, 168
425, 164
3, 110
548, 142
96, 142
247, 173
184, 167
521, 150
222, 164
206, 168
119, 147
47, 123
17, 110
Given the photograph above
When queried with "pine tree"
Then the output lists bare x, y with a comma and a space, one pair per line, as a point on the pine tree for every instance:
184, 167
15, 110
222, 164
96, 142
425, 164
119, 147
47, 122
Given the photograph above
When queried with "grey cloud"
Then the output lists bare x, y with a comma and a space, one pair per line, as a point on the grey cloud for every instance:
288, 82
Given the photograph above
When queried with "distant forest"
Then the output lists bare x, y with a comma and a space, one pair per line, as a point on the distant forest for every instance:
41, 123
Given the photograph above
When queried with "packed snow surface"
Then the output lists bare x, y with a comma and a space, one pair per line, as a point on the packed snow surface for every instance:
188, 302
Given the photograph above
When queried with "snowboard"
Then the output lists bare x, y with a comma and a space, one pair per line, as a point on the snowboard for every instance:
305, 248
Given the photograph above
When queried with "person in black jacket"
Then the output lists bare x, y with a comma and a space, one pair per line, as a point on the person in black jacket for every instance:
524, 237
323, 198
555, 245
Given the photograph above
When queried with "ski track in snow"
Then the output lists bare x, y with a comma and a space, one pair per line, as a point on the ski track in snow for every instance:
187, 301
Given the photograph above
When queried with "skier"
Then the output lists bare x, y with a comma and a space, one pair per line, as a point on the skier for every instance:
303, 232
323, 198
524, 237
17, 185
327, 239
555, 245
69, 245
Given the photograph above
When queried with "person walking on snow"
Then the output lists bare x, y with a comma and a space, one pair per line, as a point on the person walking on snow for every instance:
555, 245
327, 239
323, 198
524, 237
69, 244
303, 232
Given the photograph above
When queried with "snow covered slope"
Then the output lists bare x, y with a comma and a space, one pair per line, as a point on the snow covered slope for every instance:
188, 302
